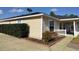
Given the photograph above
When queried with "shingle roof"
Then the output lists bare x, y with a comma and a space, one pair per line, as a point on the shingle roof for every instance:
25, 15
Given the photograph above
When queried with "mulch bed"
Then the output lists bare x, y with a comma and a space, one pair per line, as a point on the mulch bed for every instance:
50, 43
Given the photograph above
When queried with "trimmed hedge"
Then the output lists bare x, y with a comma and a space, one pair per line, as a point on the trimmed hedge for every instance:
17, 30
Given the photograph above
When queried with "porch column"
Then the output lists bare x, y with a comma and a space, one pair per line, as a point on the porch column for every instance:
56, 25
74, 27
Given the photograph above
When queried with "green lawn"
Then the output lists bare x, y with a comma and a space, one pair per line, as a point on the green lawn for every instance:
76, 40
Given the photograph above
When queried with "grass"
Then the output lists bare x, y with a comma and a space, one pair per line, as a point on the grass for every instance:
75, 40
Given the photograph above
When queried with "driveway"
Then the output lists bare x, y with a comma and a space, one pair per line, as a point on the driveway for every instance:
9, 43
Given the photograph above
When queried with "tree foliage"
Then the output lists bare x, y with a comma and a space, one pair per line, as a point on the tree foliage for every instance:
52, 13
63, 16
72, 15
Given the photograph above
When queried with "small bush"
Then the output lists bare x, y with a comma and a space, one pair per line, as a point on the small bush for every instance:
47, 36
17, 30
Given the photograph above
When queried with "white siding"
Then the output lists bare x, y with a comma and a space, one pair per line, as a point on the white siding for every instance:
34, 26
76, 29
56, 25
45, 26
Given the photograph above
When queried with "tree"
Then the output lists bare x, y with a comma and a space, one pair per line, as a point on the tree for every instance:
63, 16
66, 15
52, 14
73, 16
29, 10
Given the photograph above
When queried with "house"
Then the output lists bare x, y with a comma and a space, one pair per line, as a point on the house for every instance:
39, 22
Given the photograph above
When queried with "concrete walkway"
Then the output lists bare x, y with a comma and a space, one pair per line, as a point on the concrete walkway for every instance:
62, 45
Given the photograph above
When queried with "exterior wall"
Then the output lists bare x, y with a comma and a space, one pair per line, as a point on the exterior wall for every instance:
4, 22
40, 24
45, 25
76, 32
56, 25
8, 22
34, 26
45, 22
12, 22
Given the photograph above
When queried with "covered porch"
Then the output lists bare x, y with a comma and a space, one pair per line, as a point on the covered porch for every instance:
68, 28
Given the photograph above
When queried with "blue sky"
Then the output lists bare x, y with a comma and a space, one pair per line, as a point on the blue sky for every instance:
6, 12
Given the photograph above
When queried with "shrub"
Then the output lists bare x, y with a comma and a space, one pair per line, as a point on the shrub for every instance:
47, 36
17, 30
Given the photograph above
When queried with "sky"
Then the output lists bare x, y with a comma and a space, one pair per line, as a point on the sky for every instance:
6, 12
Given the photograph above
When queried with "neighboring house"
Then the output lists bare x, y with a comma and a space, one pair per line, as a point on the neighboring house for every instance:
40, 22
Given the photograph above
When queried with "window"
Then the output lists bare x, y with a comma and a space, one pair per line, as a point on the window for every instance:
51, 25
61, 26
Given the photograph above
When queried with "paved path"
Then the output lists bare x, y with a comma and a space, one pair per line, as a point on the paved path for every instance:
62, 45
10, 43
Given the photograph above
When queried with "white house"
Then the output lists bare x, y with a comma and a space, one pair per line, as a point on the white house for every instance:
40, 22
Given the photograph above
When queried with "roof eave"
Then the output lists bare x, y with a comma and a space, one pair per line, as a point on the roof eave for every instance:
11, 19
69, 19
20, 17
